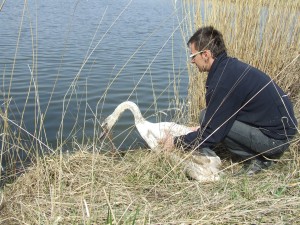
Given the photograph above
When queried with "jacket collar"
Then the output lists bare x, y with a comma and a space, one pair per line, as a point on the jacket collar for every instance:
217, 61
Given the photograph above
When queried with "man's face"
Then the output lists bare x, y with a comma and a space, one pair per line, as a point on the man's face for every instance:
199, 58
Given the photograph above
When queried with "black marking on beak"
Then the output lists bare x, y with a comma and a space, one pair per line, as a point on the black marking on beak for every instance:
104, 132
102, 135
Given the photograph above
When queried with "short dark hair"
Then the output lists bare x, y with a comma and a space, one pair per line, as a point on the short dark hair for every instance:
208, 38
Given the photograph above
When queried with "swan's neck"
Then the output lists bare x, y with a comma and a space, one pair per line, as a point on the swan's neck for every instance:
130, 106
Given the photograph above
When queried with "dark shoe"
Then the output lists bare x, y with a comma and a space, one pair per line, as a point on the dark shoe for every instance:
254, 166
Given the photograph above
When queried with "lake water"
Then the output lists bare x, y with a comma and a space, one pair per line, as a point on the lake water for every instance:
67, 61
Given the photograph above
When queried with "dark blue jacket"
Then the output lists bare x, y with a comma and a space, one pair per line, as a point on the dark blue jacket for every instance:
238, 91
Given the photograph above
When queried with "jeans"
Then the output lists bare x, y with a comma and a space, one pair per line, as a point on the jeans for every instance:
246, 142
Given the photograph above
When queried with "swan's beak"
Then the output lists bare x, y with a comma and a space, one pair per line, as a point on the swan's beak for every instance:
102, 135
104, 131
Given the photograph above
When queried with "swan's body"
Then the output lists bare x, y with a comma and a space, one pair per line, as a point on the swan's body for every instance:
150, 132
202, 167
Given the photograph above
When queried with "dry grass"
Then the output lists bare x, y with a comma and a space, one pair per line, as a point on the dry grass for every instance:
141, 187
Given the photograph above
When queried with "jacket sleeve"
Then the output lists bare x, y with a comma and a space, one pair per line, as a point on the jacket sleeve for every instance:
220, 114
189, 141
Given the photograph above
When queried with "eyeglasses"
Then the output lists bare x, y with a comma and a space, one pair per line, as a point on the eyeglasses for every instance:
192, 56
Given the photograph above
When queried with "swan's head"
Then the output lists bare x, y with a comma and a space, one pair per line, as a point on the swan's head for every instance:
106, 125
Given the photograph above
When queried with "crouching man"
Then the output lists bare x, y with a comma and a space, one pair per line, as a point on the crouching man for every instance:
245, 109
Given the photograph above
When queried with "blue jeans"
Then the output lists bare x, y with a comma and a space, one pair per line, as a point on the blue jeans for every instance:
246, 142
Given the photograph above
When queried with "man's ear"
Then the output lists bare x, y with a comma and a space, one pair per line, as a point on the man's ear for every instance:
206, 55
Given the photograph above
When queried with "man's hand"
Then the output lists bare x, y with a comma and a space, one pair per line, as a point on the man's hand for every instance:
195, 128
167, 142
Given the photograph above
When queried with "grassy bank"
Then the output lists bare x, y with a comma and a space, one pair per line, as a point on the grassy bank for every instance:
138, 188
87, 185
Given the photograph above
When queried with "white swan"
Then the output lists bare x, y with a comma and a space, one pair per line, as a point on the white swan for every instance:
202, 166
150, 132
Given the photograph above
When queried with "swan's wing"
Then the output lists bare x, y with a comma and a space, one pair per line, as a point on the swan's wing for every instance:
174, 129
151, 133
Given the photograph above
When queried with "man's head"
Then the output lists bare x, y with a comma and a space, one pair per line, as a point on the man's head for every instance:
205, 45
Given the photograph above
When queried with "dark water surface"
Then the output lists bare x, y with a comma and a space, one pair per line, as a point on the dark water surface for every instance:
57, 59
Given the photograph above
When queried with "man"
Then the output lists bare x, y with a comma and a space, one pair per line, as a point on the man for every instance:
245, 109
